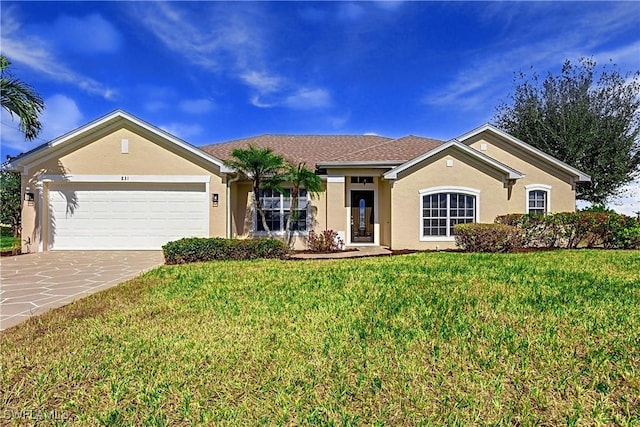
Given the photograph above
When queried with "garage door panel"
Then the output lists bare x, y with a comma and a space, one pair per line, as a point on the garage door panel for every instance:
125, 215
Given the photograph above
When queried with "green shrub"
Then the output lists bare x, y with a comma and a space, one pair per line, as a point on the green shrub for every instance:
592, 228
327, 241
6, 231
536, 231
475, 237
622, 232
196, 249
597, 209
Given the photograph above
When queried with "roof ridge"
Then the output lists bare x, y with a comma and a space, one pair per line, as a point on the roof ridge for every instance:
350, 153
391, 140
302, 135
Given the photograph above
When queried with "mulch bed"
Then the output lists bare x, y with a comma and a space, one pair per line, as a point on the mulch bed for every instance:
11, 252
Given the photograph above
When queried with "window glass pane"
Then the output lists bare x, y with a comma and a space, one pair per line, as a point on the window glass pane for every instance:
277, 207
537, 202
440, 212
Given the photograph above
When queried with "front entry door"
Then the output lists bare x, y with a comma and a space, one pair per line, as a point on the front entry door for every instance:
362, 217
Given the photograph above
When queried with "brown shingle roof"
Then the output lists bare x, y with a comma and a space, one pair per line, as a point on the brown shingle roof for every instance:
398, 150
314, 149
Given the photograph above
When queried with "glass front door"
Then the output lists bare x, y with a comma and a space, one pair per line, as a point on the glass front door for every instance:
362, 219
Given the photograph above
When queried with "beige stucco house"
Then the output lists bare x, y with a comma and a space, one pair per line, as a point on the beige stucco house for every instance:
120, 183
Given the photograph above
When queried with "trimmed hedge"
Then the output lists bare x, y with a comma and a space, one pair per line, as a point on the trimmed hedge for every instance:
475, 237
197, 249
572, 229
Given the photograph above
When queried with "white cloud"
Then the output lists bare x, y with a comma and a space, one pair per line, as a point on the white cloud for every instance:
196, 106
629, 202
60, 116
90, 34
231, 40
257, 102
262, 81
39, 55
309, 99
10, 135
182, 130
488, 74
226, 36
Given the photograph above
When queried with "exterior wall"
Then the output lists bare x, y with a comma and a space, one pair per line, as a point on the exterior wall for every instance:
100, 154
385, 208
406, 226
329, 211
243, 216
337, 206
562, 195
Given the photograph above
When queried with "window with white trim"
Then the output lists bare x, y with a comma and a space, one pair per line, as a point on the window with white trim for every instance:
441, 211
537, 202
538, 199
277, 208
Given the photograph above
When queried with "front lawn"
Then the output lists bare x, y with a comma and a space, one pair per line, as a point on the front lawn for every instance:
547, 338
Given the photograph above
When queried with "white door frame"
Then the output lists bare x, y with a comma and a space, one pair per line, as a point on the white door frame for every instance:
376, 215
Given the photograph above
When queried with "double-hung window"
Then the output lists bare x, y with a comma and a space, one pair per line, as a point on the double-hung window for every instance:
441, 211
537, 202
538, 199
277, 208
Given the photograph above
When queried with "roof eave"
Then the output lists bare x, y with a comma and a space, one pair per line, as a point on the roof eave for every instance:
360, 164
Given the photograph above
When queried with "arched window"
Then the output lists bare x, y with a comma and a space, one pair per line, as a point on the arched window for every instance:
538, 199
444, 207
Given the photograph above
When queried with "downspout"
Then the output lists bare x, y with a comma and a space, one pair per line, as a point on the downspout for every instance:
229, 210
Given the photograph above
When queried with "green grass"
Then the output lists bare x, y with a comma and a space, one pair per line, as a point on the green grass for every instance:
547, 338
7, 242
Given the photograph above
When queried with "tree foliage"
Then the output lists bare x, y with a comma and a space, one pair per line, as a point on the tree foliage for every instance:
21, 100
299, 176
257, 164
10, 200
593, 125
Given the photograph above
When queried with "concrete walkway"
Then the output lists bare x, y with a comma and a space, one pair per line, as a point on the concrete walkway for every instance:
35, 283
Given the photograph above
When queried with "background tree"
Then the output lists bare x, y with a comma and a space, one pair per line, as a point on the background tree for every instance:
20, 99
257, 164
591, 125
10, 200
299, 176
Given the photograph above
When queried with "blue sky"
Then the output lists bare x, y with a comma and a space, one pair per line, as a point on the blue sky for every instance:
213, 71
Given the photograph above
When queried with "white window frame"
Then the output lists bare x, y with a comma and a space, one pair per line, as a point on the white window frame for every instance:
447, 189
257, 219
537, 187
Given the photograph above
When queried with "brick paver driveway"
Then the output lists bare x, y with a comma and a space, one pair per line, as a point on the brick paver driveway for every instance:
35, 283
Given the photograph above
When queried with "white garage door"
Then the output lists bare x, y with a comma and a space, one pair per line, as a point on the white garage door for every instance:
125, 215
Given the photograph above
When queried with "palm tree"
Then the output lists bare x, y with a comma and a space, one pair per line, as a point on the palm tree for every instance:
20, 99
257, 164
299, 176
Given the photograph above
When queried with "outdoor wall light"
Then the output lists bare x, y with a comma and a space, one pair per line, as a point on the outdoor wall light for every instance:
29, 197
215, 197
